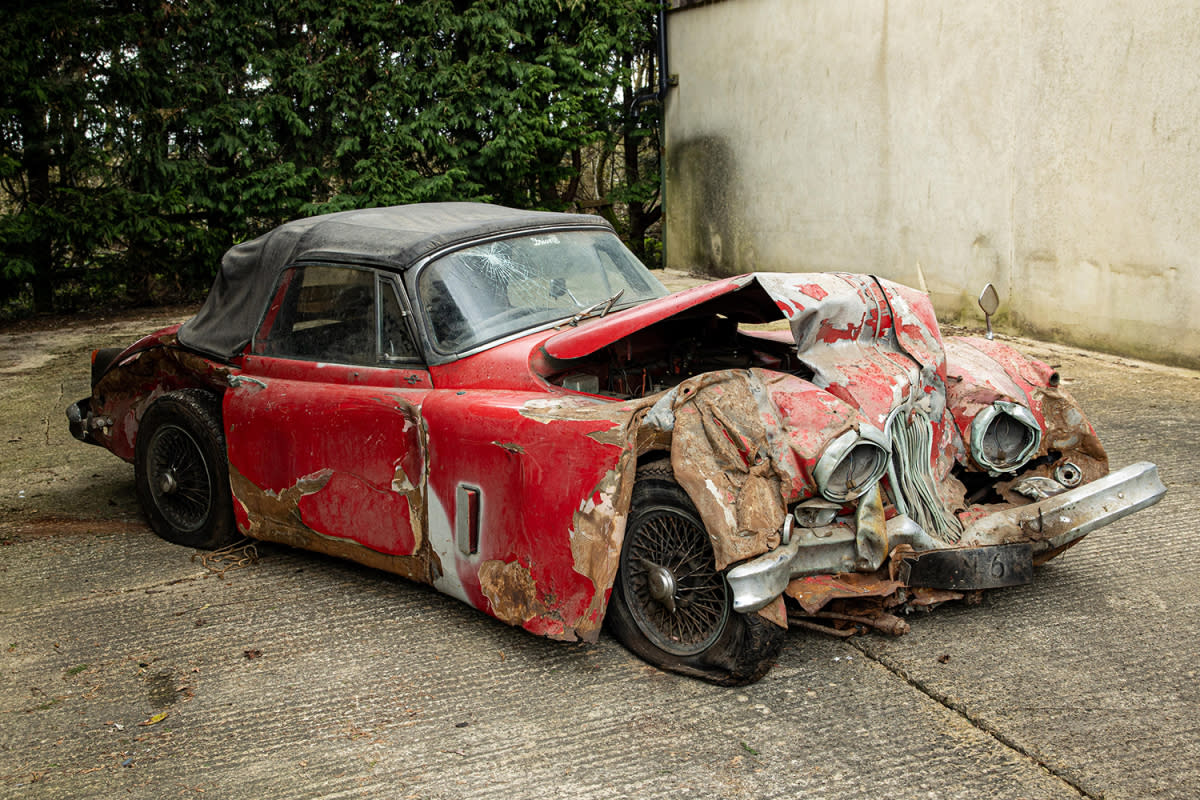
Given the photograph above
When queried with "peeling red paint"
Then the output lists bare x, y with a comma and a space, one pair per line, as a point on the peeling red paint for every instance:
276, 517
788, 308
813, 290
830, 334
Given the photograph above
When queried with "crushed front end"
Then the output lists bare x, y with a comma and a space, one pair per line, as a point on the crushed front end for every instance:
817, 565
891, 470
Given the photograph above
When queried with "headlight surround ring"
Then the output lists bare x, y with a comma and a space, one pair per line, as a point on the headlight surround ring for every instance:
852, 463
1004, 436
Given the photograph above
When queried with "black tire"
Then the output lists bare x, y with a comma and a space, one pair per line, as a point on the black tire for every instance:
182, 472
691, 628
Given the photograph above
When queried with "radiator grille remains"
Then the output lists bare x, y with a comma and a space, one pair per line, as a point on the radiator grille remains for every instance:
911, 475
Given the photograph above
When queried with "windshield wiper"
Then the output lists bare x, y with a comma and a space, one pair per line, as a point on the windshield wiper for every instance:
604, 306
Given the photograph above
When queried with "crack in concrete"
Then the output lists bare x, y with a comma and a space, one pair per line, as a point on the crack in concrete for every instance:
58, 402
157, 587
979, 725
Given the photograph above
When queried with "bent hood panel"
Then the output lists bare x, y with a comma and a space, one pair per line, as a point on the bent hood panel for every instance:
594, 335
868, 341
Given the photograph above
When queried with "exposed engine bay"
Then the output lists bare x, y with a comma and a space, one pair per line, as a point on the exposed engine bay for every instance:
669, 352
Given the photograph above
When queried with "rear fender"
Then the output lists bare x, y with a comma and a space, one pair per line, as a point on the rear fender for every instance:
139, 376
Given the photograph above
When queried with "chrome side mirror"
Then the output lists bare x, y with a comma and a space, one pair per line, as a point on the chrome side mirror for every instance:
989, 301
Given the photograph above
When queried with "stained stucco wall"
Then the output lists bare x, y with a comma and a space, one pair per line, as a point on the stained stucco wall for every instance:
1050, 147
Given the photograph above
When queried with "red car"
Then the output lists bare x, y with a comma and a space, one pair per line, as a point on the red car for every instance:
507, 405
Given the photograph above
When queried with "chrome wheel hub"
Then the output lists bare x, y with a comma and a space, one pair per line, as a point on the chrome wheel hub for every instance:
660, 583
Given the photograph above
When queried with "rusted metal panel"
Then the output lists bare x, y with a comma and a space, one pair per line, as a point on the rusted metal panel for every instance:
740, 466
554, 499
814, 593
275, 517
512, 594
367, 441
143, 372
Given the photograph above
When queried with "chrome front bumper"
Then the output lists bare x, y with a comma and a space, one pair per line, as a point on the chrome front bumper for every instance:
1008, 538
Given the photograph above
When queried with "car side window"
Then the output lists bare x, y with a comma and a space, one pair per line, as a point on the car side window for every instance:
331, 313
395, 341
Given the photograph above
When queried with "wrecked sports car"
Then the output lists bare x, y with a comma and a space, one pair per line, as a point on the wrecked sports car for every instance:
508, 406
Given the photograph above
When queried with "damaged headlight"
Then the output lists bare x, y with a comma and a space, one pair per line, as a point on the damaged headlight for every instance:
1004, 436
852, 464
815, 513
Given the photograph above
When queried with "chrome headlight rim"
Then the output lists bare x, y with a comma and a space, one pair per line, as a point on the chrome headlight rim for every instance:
841, 448
982, 425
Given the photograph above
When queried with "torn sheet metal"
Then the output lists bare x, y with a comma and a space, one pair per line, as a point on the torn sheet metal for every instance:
597, 530
276, 517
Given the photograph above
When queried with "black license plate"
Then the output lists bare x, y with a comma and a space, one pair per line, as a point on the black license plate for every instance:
971, 568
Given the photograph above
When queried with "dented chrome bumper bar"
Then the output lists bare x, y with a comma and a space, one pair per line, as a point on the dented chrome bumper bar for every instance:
1064, 518
998, 550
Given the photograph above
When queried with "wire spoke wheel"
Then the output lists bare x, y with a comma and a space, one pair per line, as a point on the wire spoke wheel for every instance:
182, 472
179, 478
670, 606
679, 600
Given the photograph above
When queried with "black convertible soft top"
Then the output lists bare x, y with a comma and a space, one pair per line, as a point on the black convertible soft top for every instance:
395, 237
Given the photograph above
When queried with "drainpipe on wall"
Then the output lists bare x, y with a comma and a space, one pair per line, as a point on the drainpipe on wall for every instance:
665, 82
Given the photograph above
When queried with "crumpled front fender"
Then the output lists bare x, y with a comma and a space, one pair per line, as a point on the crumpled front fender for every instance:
983, 372
744, 444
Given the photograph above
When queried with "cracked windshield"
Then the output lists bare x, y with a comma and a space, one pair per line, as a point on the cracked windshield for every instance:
492, 290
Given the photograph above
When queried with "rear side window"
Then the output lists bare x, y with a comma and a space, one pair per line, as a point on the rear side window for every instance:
338, 314
396, 345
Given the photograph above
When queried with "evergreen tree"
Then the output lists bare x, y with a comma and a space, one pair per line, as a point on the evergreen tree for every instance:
139, 139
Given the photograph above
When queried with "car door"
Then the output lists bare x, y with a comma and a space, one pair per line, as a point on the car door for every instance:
323, 421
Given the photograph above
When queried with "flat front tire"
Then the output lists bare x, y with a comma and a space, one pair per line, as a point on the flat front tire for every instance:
182, 472
670, 605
